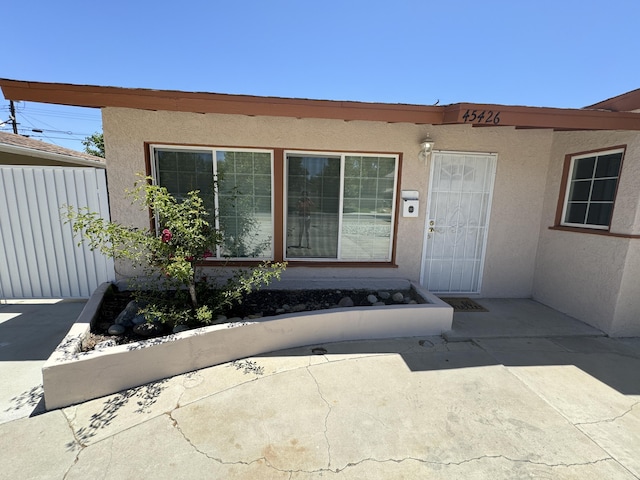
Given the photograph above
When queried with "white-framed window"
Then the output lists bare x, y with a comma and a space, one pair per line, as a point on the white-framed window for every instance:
340, 206
591, 187
236, 186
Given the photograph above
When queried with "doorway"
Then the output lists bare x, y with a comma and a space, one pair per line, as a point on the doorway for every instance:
457, 222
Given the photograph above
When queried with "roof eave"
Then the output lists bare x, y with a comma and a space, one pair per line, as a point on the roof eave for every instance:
540, 117
627, 102
198, 102
57, 157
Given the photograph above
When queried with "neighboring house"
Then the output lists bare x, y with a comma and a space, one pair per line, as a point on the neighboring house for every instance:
20, 150
39, 258
511, 202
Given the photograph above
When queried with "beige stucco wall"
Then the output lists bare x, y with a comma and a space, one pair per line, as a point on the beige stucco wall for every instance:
523, 157
626, 321
593, 277
517, 200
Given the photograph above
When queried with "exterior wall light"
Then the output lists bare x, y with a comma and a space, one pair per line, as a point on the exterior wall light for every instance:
426, 147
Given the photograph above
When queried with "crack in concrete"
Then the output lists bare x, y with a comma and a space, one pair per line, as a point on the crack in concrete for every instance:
73, 409
175, 424
324, 356
73, 432
610, 420
326, 418
75, 462
350, 465
180, 405
474, 459
187, 377
435, 463
516, 460
77, 441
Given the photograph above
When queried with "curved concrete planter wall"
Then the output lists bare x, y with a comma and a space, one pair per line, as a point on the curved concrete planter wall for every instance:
70, 376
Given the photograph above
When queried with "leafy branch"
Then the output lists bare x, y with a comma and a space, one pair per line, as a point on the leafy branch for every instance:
185, 238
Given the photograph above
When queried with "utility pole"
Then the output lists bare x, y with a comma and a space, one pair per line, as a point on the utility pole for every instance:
12, 112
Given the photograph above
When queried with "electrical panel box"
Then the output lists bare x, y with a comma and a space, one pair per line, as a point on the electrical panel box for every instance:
410, 203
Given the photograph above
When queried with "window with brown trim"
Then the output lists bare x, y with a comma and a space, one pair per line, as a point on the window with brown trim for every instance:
589, 189
340, 206
327, 207
236, 187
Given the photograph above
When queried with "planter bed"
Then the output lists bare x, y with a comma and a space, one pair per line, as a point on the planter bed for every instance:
71, 376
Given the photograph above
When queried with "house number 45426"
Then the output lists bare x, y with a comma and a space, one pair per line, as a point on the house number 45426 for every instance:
481, 116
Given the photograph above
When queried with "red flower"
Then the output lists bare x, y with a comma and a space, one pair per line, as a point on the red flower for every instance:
189, 258
207, 254
166, 235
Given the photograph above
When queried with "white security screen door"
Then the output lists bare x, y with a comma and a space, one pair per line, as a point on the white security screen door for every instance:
459, 204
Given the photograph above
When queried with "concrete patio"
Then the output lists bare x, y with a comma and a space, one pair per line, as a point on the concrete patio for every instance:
521, 391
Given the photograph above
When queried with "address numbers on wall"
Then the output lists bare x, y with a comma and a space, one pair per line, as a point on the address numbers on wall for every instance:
481, 116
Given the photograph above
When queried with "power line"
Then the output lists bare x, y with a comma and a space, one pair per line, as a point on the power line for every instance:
52, 129
88, 118
33, 132
26, 111
55, 138
60, 112
45, 136
36, 127
22, 108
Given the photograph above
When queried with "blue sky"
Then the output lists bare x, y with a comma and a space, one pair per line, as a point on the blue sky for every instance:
558, 53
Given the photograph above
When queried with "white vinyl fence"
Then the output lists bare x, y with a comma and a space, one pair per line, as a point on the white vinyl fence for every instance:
39, 256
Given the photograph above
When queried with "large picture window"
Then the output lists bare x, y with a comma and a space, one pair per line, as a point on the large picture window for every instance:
240, 206
591, 188
295, 206
340, 207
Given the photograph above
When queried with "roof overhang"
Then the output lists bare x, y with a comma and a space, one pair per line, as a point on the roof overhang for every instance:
543, 117
200, 102
626, 102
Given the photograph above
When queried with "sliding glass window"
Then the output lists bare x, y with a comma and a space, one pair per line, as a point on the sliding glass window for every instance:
244, 203
340, 206
367, 212
239, 202
337, 206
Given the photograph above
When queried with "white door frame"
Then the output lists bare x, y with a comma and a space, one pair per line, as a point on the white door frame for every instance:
426, 232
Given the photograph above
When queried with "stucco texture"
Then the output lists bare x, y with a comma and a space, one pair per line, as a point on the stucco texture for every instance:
523, 157
589, 276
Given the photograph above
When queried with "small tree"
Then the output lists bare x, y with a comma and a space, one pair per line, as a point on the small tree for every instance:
172, 255
94, 144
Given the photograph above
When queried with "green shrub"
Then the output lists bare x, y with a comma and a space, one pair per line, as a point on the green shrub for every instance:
171, 257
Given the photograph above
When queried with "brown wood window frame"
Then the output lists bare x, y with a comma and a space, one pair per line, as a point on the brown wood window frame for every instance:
279, 172
564, 185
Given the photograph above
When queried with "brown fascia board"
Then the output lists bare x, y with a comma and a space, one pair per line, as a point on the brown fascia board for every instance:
621, 103
200, 102
542, 117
